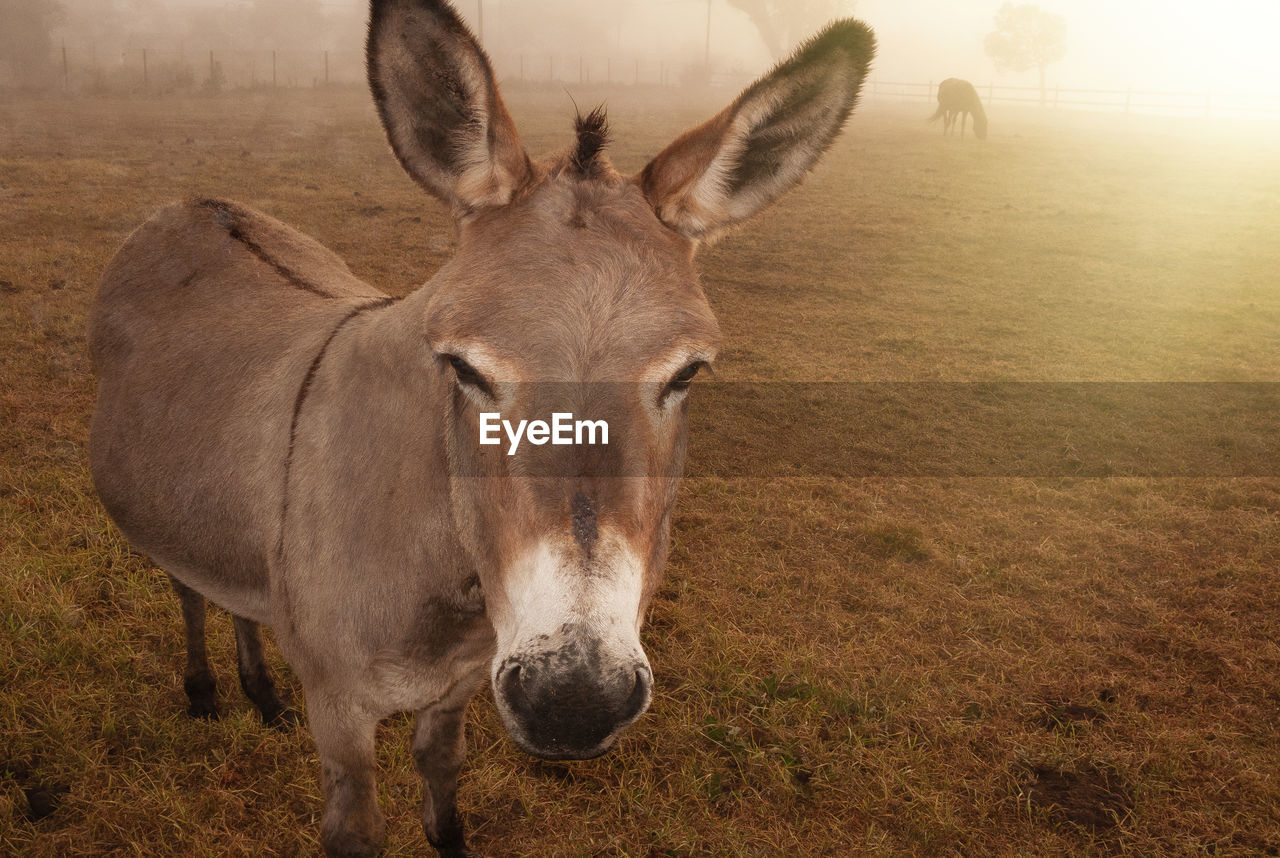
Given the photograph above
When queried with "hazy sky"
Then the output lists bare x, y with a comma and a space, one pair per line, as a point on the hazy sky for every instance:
1225, 45
1148, 44
1180, 45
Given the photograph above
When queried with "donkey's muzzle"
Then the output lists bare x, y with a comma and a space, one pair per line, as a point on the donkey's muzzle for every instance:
564, 709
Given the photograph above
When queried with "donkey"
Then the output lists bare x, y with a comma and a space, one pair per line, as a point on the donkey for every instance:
957, 97
295, 446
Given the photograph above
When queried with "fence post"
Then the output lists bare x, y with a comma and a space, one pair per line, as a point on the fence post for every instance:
66, 74
146, 81
326, 68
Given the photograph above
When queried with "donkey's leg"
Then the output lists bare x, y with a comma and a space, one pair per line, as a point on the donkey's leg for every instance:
352, 826
255, 679
439, 748
197, 681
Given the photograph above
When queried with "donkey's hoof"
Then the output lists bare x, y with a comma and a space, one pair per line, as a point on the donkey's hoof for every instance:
283, 719
350, 844
448, 838
204, 711
454, 852
203, 707
202, 696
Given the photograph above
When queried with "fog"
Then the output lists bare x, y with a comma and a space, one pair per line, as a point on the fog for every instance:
1143, 44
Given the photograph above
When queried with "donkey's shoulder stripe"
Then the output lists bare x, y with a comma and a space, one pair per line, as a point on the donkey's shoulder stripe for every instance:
303, 390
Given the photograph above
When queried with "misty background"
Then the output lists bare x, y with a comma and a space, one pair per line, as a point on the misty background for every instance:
1222, 47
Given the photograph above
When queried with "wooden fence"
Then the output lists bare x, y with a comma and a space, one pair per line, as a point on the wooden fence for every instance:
147, 71
81, 69
1203, 103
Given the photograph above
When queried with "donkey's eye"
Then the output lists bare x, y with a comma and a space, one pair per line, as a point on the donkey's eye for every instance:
683, 378
468, 375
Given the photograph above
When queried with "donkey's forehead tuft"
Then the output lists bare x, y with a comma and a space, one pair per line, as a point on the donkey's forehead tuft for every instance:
592, 133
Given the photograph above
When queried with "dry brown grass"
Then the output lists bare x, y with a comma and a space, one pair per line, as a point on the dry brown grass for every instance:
861, 666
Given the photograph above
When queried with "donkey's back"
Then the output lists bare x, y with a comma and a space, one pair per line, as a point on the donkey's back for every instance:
202, 333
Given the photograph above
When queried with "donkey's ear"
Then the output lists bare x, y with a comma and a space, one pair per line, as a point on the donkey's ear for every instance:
729, 168
436, 94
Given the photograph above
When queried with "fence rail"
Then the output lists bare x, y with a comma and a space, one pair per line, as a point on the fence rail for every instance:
149, 71
83, 69
1204, 103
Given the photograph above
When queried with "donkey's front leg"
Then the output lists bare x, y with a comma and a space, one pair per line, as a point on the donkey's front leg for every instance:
352, 826
197, 680
255, 679
439, 747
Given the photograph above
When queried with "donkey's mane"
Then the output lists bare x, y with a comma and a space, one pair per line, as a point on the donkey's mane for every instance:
592, 133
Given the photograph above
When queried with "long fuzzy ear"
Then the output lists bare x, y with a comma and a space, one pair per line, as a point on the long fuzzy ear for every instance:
439, 103
727, 169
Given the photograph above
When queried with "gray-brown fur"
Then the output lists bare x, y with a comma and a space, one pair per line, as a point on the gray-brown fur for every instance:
294, 446
959, 99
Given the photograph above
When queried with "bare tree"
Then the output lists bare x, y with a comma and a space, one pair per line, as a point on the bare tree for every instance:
783, 23
1027, 36
26, 39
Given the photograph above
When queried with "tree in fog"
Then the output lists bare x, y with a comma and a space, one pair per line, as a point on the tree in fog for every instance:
784, 23
26, 39
1027, 36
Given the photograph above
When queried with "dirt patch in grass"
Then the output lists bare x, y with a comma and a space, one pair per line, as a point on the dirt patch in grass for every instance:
42, 796
1094, 798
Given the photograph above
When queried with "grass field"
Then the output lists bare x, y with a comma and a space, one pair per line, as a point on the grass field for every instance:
941, 666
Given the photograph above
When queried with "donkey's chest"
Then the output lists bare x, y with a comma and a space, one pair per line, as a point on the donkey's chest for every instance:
443, 650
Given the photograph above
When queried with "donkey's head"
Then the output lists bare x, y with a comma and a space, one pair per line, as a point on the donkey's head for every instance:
573, 292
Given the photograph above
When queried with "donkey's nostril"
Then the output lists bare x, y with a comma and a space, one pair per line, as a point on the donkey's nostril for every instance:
512, 687
639, 697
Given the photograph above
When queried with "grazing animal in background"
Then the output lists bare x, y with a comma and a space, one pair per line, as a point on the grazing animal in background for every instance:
958, 98
304, 451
